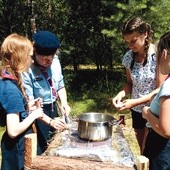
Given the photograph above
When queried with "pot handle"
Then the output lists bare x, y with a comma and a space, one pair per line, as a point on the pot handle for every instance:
115, 122
75, 119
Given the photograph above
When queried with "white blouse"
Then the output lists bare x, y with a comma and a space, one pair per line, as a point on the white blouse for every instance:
143, 77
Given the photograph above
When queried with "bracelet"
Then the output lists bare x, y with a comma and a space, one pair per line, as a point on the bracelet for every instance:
50, 122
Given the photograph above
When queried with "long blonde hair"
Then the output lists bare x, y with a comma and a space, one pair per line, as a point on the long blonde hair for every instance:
15, 56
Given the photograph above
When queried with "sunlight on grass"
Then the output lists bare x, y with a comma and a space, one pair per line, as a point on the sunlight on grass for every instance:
82, 107
90, 67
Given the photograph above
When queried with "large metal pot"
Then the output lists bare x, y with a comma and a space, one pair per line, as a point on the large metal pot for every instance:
95, 126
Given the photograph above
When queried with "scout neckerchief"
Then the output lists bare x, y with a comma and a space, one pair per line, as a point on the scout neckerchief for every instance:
6, 75
48, 78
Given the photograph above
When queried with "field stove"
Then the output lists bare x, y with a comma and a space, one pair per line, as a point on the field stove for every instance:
114, 150
75, 141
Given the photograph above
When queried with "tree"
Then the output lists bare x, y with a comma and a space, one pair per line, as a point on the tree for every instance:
90, 31
14, 18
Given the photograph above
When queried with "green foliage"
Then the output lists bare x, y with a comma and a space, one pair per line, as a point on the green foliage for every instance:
82, 106
92, 91
2, 129
152, 11
89, 81
14, 18
90, 31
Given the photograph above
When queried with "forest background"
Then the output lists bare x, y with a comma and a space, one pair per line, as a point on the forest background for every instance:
92, 45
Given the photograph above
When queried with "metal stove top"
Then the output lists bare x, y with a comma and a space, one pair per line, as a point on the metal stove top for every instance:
76, 141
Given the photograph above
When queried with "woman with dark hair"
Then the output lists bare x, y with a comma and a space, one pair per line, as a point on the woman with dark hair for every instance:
157, 147
141, 74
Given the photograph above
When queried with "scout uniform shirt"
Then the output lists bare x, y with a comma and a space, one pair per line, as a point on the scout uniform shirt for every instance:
37, 85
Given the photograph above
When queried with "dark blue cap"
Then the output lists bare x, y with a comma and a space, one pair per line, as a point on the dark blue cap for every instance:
45, 42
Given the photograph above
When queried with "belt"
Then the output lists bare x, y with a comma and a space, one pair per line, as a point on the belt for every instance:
48, 104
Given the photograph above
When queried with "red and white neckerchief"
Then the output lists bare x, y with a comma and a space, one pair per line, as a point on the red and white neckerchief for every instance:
48, 78
6, 75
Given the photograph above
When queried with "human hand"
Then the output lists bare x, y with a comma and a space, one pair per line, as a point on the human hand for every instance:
37, 113
65, 109
36, 103
58, 123
127, 104
145, 111
117, 102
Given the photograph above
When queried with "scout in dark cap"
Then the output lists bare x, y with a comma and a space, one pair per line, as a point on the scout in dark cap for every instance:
45, 80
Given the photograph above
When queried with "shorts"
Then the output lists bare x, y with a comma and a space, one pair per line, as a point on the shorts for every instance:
138, 122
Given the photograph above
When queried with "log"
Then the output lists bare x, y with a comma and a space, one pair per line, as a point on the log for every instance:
30, 149
62, 163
